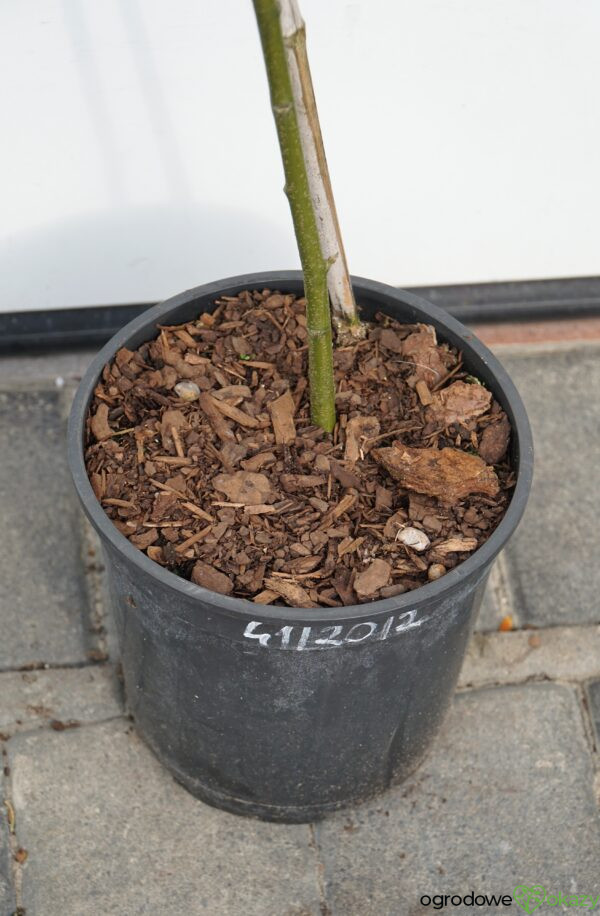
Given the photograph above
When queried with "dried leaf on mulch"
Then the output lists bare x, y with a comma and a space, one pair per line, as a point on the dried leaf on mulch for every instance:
218, 423
99, 424
208, 577
458, 403
494, 440
370, 580
431, 361
244, 487
282, 412
171, 423
293, 593
358, 431
448, 474
457, 545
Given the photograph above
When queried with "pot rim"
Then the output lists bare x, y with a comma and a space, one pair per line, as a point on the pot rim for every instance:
241, 607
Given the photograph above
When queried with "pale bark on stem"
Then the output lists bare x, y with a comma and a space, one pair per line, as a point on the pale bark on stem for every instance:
343, 304
297, 188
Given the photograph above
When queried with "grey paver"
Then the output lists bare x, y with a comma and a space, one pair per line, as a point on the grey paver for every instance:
67, 366
7, 900
32, 698
553, 556
505, 798
593, 691
497, 600
42, 589
108, 831
556, 653
493, 607
489, 612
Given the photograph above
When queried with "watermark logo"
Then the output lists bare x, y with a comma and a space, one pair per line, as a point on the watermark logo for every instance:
529, 898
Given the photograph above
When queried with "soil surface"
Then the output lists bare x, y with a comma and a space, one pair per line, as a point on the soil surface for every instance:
201, 451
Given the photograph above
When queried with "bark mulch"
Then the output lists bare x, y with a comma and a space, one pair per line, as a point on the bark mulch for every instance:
201, 451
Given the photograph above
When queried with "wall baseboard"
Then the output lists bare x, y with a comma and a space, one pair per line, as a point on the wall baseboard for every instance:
471, 303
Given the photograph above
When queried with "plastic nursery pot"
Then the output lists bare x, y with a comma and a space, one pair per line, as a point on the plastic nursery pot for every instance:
289, 713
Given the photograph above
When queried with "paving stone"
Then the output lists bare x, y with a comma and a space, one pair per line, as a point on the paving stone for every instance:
67, 366
108, 831
497, 600
557, 653
593, 692
7, 900
505, 798
553, 556
34, 698
42, 589
491, 611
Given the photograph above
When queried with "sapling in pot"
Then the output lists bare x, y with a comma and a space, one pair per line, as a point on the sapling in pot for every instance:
401, 486
299, 504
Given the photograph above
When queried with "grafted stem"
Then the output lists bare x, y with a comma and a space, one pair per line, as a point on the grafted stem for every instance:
297, 189
343, 304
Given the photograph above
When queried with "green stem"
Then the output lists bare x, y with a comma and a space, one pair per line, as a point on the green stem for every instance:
314, 265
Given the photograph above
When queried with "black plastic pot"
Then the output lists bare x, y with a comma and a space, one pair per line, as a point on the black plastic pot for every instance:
288, 713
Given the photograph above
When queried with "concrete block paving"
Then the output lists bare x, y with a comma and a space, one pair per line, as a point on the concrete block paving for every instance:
92, 825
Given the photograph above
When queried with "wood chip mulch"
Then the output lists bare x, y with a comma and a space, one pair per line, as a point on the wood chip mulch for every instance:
201, 451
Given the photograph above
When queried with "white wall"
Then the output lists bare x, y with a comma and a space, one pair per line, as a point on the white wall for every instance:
139, 156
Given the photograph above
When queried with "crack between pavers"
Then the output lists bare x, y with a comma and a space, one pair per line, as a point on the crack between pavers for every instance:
68, 725
530, 679
313, 842
92, 571
55, 666
534, 629
586, 717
